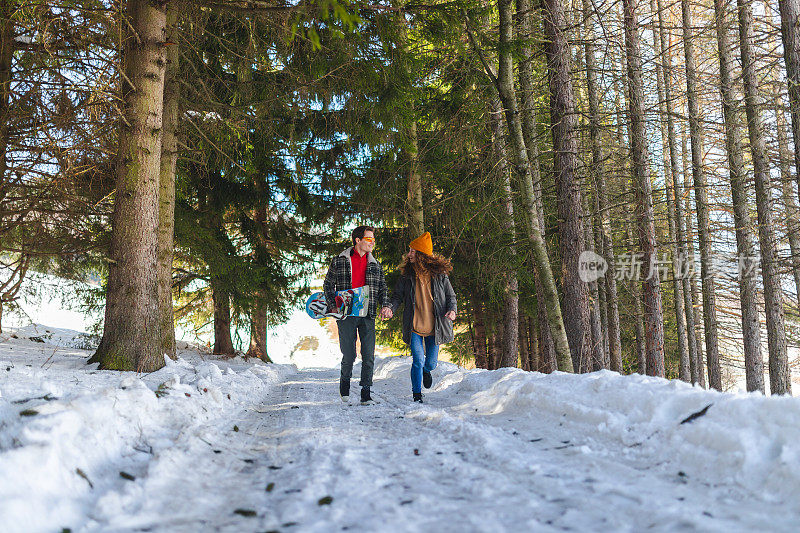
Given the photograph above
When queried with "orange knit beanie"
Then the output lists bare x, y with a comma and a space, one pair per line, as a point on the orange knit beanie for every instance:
423, 244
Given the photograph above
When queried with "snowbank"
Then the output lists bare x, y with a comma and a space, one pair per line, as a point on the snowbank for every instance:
744, 438
65, 440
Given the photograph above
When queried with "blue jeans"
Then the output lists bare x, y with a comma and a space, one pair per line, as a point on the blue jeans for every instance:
422, 348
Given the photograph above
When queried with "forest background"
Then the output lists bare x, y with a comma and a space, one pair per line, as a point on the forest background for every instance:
204, 160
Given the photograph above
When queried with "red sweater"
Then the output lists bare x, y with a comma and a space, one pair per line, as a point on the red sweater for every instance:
359, 264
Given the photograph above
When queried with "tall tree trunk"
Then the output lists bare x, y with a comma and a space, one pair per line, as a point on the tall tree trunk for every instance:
414, 212
598, 355
701, 202
481, 357
563, 121
785, 159
223, 343
491, 344
258, 315
789, 199
675, 212
131, 333
598, 318
681, 286
522, 335
509, 354
534, 346
258, 333
651, 288
416, 217
639, 346
790, 30
7, 8
684, 367
597, 235
669, 164
528, 92
505, 88
779, 378
607, 284
698, 375
497, 343
166, 194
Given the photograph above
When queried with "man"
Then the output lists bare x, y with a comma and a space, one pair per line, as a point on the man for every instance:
354, 268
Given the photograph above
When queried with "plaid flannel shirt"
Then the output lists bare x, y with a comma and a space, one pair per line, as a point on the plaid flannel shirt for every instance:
340, 278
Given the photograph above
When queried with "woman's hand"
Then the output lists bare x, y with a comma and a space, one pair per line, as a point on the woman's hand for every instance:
451, 315
386, 313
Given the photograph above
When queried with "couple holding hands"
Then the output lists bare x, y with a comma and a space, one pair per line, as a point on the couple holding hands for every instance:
425, 292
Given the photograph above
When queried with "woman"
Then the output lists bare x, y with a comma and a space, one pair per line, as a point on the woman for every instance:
430, 308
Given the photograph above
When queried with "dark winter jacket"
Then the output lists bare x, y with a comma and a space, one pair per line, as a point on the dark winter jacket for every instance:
444, 300
340, 278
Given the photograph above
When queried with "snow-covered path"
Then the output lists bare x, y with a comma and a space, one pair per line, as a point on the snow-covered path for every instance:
303, 461
231, 445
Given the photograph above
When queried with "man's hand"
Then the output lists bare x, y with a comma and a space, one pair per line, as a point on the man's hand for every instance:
451, 315
386, 313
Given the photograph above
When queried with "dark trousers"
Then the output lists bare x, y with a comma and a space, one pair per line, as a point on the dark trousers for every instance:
347, 343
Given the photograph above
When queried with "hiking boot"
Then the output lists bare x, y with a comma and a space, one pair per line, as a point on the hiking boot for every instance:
344, 390
417, 397
427, 379
365, 396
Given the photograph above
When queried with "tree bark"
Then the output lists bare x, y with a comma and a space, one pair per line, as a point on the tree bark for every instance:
651, 289
166, 194
606, 246
563, 121
131, 332
528, 93
223, 343
535, 353
701, 203
414, 212
598, 354
509, 355
675, 213
7, 8
491, 344
682, 291
698, 375
524, 352
789, 199
779, 378
640, 349
258, 333
416, 216
599, 359
481, 357
663, 69
785, 160
497, 344
790, 31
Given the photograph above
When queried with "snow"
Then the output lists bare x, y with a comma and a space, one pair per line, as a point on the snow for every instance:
234, 445
303, 342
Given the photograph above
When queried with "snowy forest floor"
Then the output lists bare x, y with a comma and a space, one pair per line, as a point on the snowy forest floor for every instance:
211, 445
